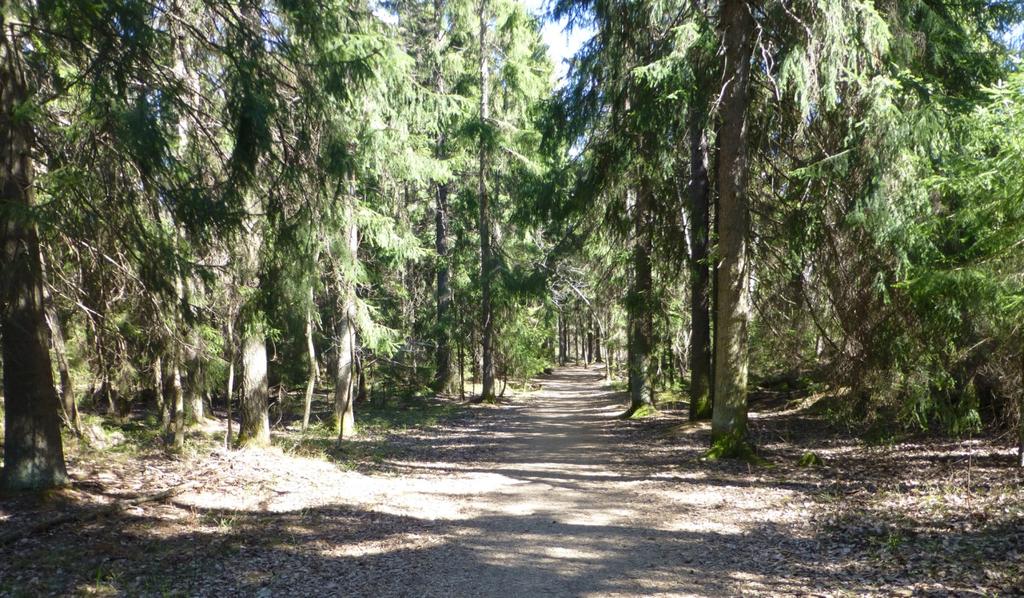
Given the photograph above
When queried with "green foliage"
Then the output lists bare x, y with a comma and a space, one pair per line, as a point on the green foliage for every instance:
958, 279
810, 459
260, 167
521, 343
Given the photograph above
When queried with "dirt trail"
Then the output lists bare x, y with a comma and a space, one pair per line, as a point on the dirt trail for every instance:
547, 495
563, 504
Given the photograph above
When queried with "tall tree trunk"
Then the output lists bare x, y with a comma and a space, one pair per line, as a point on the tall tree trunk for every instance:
669, 367
474, 371
253, 405
443, 354
487, 311
699, 208
166, 390
254, 429
641, 322
311, 352
254, 425
567, 334
102, 389
729, 420
344, 412
33, 453
189, 364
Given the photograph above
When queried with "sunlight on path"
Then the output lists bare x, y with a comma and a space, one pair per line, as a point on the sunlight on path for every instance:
564, 507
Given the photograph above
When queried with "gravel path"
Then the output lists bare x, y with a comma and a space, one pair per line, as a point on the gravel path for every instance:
553, 498
549, 494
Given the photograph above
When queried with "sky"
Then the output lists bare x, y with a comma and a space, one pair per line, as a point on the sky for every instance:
561, 45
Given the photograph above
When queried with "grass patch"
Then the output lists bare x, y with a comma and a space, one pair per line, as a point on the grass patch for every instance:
136, 434
374, 423
672, 398
408, 414
321, 443
108, 434
810, 459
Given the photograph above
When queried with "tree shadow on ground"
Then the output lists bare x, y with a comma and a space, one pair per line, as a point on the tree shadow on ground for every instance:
581, 540
340, 550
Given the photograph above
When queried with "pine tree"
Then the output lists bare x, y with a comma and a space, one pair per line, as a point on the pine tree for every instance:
33, 455
732, 318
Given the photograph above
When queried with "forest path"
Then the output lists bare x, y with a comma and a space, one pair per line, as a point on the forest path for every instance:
547, 494
555, 498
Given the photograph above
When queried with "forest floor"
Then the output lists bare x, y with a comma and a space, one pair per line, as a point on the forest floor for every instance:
547, 494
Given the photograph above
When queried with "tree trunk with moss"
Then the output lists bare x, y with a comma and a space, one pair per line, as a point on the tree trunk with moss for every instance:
729, 419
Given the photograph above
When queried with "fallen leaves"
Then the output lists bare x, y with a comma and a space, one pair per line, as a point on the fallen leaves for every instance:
546, 494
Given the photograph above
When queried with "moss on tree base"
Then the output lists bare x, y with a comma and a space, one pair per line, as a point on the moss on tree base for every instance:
639, 411
734, 446
702, 410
